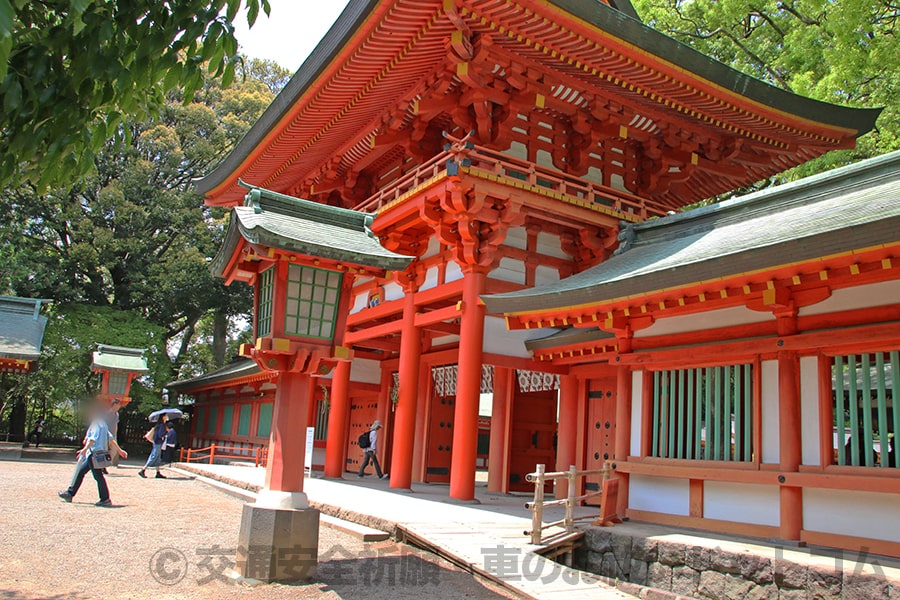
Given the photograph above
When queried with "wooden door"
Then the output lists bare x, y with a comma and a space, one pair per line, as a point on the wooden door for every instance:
533, 438
440, 438
601, 434
363, 412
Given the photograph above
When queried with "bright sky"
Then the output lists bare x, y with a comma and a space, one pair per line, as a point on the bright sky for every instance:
292, 31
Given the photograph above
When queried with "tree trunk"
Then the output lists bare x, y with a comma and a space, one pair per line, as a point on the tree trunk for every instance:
220, 337
17, 421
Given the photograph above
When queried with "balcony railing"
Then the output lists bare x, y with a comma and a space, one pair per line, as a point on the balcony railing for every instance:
481, 162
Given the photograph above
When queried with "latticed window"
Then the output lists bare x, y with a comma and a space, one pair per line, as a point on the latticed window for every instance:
703, 413
322, 410
264, 426
865, 417
264, 303
118, 382
312, 299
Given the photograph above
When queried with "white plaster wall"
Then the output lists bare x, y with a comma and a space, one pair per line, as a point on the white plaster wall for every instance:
453, 272
742, 502
359, 302
550, 245
726, 317
434, 246
511, 270
809, 409
863, 296
659, 494
446, 339
771, 448
499, 340
637, 410
853, 513
392, 291
364, 370
544, 275
318, 456
516, 237
431, 279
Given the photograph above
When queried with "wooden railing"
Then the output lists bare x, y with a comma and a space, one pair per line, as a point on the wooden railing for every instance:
479, 161
209, 454
573, 476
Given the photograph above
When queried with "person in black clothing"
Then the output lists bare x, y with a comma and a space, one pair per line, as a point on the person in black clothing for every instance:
169, 444
37, 433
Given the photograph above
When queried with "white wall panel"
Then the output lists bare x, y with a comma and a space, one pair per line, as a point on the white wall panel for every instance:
659, 494
771, 450
851, 512
809, 409
637, 410
742, 502
863, 296
713, 319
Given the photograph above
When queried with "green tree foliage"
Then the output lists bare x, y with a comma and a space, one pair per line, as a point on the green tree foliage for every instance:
73, 71
839, 51
135, 240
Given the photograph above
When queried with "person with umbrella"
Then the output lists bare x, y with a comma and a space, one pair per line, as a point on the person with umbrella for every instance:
157, 437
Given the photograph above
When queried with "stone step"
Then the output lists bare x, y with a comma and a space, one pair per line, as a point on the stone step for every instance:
361, 532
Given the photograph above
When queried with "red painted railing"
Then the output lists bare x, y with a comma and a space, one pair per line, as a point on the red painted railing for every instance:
482, 161
209, 454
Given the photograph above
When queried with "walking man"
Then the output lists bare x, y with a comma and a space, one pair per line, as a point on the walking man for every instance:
370, 452
92, 457
112, 422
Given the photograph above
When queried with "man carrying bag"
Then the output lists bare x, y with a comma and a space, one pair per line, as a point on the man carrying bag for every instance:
94, 457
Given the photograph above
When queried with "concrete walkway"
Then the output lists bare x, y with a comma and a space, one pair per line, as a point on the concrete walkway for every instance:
487, 538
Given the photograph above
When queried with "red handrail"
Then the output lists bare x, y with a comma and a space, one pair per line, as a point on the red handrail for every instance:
259, 453
483, 160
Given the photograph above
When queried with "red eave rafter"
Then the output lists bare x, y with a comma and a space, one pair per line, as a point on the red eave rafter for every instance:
402, 41
860, 267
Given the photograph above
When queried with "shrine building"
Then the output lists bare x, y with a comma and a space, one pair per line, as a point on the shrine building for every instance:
21, 333
518, 150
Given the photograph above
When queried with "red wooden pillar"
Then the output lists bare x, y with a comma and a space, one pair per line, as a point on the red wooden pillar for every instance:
338, 417
567, 433
383, 414
498, 458
789, 442
287, 445
468, 387
623, 431
405, 421
422, 410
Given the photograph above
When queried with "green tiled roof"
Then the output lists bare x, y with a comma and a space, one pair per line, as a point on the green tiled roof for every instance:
240, 367
21, 328
286, 223
116, 358
846, 209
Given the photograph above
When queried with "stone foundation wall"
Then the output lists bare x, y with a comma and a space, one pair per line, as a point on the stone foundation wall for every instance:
683, 570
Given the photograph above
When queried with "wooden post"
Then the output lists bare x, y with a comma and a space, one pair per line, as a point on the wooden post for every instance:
789, 443
468, 387
338, 414
287, 445
572, 478
405, 420
212, 453
568, 430
498, 458
537, 511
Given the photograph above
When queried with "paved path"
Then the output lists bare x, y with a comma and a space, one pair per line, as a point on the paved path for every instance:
50, 549
488, 538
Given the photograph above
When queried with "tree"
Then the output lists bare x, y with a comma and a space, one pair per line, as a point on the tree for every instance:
73, 71
839, 51
135, 240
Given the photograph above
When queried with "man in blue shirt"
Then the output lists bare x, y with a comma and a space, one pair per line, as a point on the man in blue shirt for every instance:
97, 440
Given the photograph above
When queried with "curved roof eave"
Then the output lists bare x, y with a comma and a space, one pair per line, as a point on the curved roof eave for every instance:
617, 22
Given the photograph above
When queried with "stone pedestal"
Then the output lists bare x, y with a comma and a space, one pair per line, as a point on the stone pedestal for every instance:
278, 544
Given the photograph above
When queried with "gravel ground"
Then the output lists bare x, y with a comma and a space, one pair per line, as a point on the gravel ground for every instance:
174, 539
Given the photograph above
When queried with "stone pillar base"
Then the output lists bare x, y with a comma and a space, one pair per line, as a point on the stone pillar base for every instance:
278, 544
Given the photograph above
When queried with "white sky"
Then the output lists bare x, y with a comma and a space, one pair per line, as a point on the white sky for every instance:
292, 31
